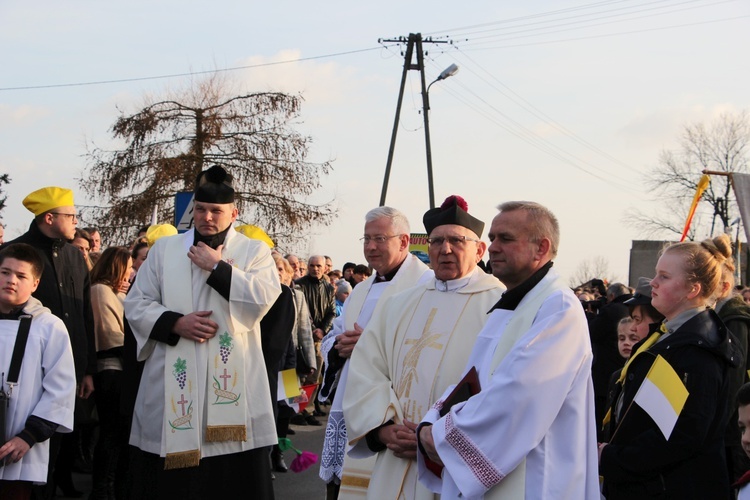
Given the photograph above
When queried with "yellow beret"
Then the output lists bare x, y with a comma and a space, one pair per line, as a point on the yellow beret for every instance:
48, 198
255, 233
159, 231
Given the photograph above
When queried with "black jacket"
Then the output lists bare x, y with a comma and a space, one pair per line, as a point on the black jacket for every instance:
607, 359
66, 290
640, 463
735, 313
321, 301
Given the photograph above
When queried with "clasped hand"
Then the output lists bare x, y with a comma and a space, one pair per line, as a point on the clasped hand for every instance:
400, 439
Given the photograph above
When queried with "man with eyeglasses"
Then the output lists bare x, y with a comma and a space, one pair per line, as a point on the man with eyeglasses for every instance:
529, 431
64, 288
386, 249
414, 348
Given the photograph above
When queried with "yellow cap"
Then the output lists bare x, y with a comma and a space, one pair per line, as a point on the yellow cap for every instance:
48, 198
255, 233
157, 231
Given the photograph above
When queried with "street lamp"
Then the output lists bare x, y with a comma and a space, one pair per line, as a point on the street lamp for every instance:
447, 73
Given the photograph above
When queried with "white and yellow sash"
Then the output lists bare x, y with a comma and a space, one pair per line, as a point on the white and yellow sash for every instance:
226, 418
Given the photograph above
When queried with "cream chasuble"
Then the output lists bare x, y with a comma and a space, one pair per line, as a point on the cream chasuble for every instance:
408, 355
365, 301
203, 399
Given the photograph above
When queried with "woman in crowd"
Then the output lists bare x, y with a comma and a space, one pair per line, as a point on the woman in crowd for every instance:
643, 318
639, 461
82, 240
138, 254
112, 268
289, 359
735, 313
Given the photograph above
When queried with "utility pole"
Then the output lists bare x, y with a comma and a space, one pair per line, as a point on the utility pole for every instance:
414, 41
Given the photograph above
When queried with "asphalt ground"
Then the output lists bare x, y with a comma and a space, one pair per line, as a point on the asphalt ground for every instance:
287, 486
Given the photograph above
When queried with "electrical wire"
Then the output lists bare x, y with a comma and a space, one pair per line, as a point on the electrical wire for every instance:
520, 131
192, 73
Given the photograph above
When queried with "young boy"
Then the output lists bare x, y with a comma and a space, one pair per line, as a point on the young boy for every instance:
42, 400
626, 337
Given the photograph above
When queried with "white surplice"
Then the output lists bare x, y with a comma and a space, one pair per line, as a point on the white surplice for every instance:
535, 408
46, 386
406, 357
362, 303
254, 288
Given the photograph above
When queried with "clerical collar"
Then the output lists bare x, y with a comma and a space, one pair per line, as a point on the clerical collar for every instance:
380, 278
14, 313
452, 285
213, 240
511, 298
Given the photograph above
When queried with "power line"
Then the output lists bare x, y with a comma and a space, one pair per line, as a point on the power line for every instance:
530, 16
529, 136
603, 14
507, 35
607, 35
530, 108
192, 73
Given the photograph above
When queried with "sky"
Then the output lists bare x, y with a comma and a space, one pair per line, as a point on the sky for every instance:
568, 103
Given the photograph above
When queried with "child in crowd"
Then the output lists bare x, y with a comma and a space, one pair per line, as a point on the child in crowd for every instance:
743, 420
626, 337
42, 399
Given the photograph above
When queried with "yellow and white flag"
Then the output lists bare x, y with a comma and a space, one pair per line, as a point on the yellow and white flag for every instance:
662, 395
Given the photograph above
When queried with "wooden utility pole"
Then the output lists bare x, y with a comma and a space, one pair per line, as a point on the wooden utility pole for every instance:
414, 41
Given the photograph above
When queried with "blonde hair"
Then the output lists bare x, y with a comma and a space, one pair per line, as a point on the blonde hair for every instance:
705, 261
287, 266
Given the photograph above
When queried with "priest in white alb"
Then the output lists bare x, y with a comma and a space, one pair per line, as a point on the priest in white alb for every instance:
529, 432
203, 417
386, 249
414, 348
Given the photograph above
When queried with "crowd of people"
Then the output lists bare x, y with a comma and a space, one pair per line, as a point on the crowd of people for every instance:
462, 378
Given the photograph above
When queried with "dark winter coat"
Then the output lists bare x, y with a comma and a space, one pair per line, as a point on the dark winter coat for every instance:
736, 315
640, 463
321, 301
607, 359
65, 289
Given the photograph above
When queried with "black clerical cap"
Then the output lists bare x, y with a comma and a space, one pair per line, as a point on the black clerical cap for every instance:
214, 186
454, 210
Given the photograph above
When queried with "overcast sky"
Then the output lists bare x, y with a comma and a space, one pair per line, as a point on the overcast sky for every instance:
567, 103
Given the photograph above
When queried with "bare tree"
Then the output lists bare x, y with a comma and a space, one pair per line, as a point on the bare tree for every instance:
168, 142
721, 146
588, 269
4, 179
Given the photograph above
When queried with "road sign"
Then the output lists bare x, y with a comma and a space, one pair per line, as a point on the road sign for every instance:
183, 211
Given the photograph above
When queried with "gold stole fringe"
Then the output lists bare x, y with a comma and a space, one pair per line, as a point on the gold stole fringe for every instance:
182, 459
216, 433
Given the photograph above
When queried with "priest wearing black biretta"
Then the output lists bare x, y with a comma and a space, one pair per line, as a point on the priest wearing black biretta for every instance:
203, 418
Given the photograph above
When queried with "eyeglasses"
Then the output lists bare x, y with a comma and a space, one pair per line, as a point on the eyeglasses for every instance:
453, 241
379, 240
73, 216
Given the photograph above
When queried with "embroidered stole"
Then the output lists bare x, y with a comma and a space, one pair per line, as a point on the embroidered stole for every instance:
514, 484
226, 419
357, 472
